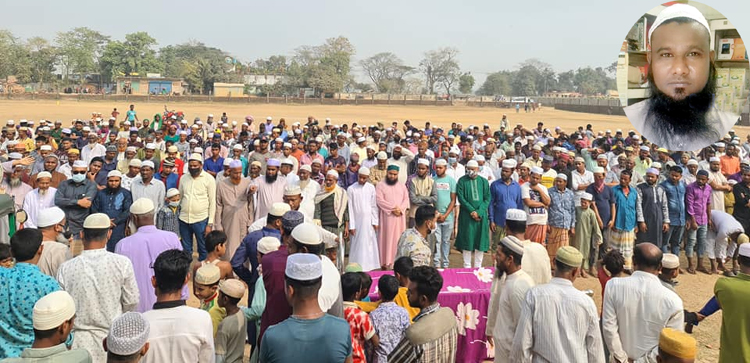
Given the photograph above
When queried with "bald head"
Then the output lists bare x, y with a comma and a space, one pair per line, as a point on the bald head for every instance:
647, 257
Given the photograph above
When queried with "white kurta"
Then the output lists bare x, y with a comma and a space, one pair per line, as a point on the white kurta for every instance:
35, 202
308, 198
267, 194
363, 210
508, 308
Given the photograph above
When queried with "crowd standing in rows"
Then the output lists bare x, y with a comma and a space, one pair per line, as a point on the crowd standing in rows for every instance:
115, 208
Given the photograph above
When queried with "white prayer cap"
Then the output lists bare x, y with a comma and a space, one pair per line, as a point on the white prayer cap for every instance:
515, 215
714, 159
234, 164
472, 164
598, 170
147, 164
142, 206
15, 156
11, 123
96, 221
333, 173
273, 162
86, 128
720, 144
441, 162
208, 274
278, 209
364, 171
536, 147
303, 267
644, 148
196, 157
678, 11
52, 310
268, 244
232, 288
382, 156
256, 142
479, 158
113, 174
287, 161
692, 162
287, 144
731, 182
172, 192
131, 149
587, 196
656, 165
135, 162
80, 164
561, 176
423, 161
45, 148
537, 170
601, 156
49, 217
306, 168
745, 250
43, 174
227, 162
150, 145
670, 261
128, 333
237, 147
509, 163
306, 234
579, 159
269, 118
291, 190
361, 139
198, 150
513, 243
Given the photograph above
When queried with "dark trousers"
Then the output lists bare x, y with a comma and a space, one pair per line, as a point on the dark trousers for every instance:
198, 229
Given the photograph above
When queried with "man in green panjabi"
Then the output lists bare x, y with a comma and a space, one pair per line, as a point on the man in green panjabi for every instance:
473, 221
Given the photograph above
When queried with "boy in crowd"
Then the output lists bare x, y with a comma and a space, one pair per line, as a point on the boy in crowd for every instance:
359, 322
389, 319
205, 288
232, 331
216, 246
166, 218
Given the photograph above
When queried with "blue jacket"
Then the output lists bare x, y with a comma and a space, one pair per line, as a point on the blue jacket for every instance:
248, 251
115, 203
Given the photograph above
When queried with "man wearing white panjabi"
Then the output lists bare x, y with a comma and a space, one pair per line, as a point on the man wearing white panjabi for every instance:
363, 222
310, 189
42, 197
268, 188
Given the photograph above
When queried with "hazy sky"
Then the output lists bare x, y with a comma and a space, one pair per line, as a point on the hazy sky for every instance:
491, 35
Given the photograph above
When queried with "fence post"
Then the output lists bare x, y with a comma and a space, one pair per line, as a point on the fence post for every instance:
373, 98
339, 98
404, 100
304, 98
389, 99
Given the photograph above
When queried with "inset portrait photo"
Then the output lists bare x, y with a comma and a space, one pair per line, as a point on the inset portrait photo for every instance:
682, 75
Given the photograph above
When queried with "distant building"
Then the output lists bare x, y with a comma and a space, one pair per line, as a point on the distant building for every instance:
149, 85
255, 81
229, 89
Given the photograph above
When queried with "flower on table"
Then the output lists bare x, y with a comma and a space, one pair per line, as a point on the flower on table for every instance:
483, 274
457, 289
467, 317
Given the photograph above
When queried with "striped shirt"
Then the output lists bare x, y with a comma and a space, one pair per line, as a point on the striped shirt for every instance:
558, 324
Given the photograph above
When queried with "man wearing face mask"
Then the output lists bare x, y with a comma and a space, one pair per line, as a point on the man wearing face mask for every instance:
54, 239
74, 197
197, 206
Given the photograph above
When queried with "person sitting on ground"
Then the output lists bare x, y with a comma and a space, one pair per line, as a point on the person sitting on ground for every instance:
389, 319
359, 322
232, 333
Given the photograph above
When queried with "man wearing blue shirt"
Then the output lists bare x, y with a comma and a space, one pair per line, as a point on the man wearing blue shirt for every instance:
505, 194
675, 189
214, 164
20, 288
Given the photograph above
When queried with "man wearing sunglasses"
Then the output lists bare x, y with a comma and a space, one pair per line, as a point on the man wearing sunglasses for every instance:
74, 197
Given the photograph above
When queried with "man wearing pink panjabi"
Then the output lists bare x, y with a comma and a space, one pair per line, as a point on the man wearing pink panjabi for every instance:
392, 198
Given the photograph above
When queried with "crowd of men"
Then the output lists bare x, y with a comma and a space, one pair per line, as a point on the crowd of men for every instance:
108, 198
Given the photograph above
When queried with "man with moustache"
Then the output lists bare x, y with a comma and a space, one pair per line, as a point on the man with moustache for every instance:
197, 206
392, 199
269, 188
680, 113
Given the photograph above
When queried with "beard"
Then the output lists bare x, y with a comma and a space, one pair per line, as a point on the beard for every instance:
674, 119
14, 182
391, 182
43, 191
271, 179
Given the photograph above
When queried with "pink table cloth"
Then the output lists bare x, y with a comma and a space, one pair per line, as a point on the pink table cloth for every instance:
467, 292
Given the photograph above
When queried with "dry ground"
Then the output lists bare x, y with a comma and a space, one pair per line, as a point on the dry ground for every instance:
694, 289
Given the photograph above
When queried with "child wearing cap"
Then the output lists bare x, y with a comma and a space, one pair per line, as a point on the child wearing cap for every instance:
587, 232
205, 288
167, 217
230, 337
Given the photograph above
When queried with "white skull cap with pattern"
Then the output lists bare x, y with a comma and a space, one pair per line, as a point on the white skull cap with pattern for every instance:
364, 171
515, 215
303, 266
423, 161
268, 244
128, 333
382, 156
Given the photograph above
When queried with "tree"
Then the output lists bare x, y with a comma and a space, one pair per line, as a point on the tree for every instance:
134, 55
387, 72
496, 84
80, 50
201, 66
324, 67
566, 81
440, 68
466, 83
590, 81
524, 81
43, 57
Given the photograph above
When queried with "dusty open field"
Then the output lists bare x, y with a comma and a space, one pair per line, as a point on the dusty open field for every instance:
694, 289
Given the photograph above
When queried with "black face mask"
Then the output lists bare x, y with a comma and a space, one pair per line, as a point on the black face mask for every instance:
194, 171
685, 117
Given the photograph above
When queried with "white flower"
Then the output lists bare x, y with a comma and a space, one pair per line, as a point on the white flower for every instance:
483, 274
457, 289
467, 317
